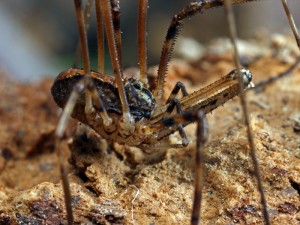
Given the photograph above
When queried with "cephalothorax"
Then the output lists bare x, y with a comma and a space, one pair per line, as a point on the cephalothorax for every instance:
132, 112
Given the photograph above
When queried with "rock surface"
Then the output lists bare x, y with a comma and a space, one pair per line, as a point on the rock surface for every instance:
121, 185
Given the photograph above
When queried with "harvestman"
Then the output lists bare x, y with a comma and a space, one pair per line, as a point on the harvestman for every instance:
131, 111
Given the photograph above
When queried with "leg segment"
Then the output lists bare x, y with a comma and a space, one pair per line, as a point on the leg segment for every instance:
100, 37
87, 13
291, 21
82, 36
115, 16
178, 86
96, 104
83, 43
201, 136
115, 9
169, 125
175, 103
172, 103
142, 40
285, 73
107, 15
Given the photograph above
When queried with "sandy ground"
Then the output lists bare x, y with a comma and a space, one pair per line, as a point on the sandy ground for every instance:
113, 184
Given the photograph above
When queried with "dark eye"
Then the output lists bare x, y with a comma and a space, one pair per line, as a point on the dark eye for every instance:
138, 86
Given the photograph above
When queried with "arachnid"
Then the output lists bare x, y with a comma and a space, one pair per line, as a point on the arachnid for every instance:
131, 111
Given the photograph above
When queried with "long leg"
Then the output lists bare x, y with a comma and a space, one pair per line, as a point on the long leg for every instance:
115, 9
69, 108
173, 31
201, 136
100, 37
278, 76
176, 25
86, 85
87, 13
291, 21
72, 100
257, 172
142, 40
82, 36
107, 15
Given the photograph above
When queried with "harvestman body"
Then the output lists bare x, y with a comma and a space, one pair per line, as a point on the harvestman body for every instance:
152, 122
130, 111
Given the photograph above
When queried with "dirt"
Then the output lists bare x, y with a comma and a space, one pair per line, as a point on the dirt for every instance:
113, 184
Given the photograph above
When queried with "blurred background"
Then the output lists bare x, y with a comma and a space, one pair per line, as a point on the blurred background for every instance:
38, 38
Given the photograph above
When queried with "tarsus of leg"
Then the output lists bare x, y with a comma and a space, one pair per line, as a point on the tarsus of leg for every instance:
291, 21
278, 76
233, 36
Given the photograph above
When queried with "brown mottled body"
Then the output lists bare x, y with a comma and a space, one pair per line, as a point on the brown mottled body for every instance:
148, 114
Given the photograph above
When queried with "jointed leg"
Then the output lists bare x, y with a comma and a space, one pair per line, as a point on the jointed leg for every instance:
176, 25
83, 85
107, 15
190, 10
178, 86
58, 137
233, 37
174, 103
70, 106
